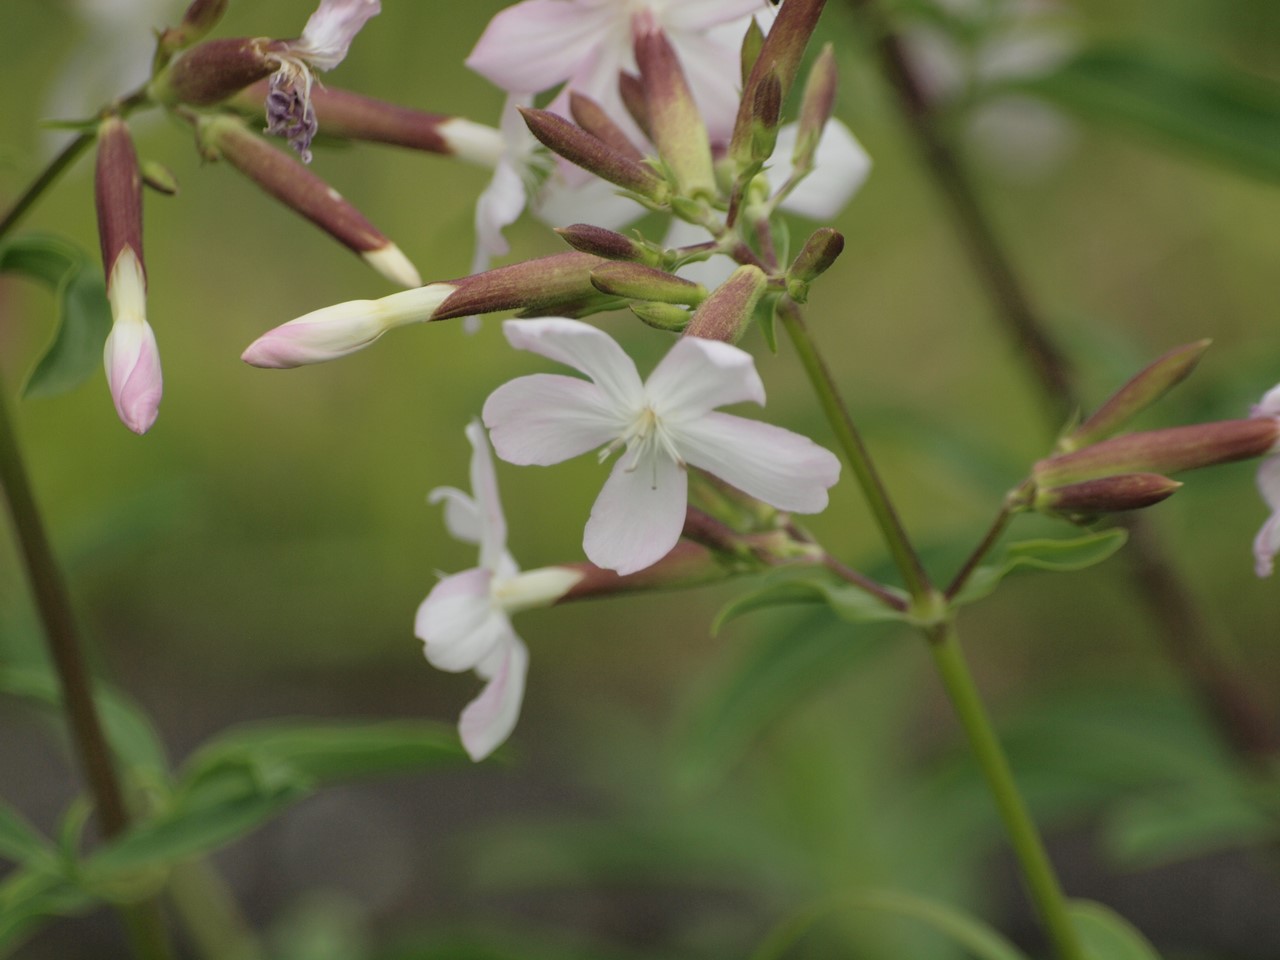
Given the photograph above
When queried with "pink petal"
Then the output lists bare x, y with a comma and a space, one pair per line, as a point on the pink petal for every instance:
488, 720
132, 360
782, 468
586, 349
1269, 405
458, 622
638, 516
546, 418
330, 30
699, 375
538, 43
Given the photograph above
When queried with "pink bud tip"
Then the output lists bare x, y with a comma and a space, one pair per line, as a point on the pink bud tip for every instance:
131, 356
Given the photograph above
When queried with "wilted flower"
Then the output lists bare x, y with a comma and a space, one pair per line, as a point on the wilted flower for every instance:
465, 621
663, 426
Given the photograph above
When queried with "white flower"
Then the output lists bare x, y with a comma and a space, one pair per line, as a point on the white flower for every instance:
664, 424
1267, 543
584, 44
465, 622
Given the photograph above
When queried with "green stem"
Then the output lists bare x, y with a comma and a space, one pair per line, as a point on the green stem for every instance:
1037, 871
145, 925
855, 452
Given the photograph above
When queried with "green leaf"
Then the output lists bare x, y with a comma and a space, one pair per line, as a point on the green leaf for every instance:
776, 672
19, 841
1077, 553
966, 931
1153, 831
1106, 935
1208, 109
84, 314
237, 782
810, 585
31, 895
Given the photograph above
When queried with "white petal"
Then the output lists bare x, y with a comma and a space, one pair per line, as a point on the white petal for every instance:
461, 514
784, 469
638, 516
841, 166
484, 484
498, 206
595, 201
546, 418
1268, 480
537, 44
585, 348
698, 375
710, 273
330, 30
1269, 405
705, 14
458, 622
488, 720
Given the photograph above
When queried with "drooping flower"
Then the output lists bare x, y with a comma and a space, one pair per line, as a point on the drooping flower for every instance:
1267, 543
465, 621
323, 45
663, 426
584, 44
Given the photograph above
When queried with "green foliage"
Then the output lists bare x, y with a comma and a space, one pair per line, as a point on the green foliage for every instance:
1207, 109
1106, 935
1062, 556
19, 841
809, 585
84, 315
30, 895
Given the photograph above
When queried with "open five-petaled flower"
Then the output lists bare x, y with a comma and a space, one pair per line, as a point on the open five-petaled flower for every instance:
663, 426
465, 622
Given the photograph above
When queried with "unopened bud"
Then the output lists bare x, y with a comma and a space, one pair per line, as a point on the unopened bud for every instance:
1128, 491
117, 193
214, 70
1162, 451
751, 151
591, 117
560, 283
816, 108
631, 91
726, 313
752, 41
607, 244
201, 17
818, 254
159, 178
635, 281
593, 154
662, 316
675, 123
1157, 379
297, 187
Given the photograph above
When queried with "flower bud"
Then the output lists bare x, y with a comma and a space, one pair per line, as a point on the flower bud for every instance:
818, 254
750, 152
560, 283
201, 17
590, 116
594, 155
342, 329
297, 187
1157, 379
662, 316
1127, 491
214, 70
631, 91
816, 108
607, 244
725, 314
676, 125
1162, 451
159, 178
635, 281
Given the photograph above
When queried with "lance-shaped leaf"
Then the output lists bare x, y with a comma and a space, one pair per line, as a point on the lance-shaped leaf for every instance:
1064, 556
1105, 935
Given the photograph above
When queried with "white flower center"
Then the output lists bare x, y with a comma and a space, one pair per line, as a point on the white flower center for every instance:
645, 439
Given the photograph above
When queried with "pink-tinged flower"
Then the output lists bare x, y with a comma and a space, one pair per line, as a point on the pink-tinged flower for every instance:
131, 356
323, 45
663, 426
465, 622
584, 44
1267, 543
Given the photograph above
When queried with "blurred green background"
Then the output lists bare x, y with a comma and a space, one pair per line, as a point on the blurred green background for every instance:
262, 551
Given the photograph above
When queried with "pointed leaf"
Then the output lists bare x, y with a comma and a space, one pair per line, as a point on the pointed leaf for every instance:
31, 895
809, 585
1106, 935
1077, 553
1208, 109
1153, 831
19, 841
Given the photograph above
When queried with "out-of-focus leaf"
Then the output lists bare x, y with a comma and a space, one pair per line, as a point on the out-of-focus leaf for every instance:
1151, 831
809, 585
966, 931
127, 728
486, 945
19, 841
1208, 109
1078, 553
777, 672
243, 778
84, 314
1105, 935
31, 895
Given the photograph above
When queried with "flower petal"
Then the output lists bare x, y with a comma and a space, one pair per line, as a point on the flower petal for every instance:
1267, 543
484, 485
458, 622
546, 418
639, 514
784, 469
585, 348
330, 30
537, 44
499, 206
705, 14
841, 166
461, 514
488, 720
698, 375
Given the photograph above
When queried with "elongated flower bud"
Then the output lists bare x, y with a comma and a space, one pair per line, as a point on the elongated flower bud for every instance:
607, 244
631, 90
297, 187
592, 154
1127, 491
726, 313
590, 116
212, 71
677, 127
1155, 380
200, 17
816, 108
131, 358
635, 281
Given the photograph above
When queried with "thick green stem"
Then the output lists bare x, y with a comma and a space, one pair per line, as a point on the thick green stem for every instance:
1037, 871
144, 923
855, 452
